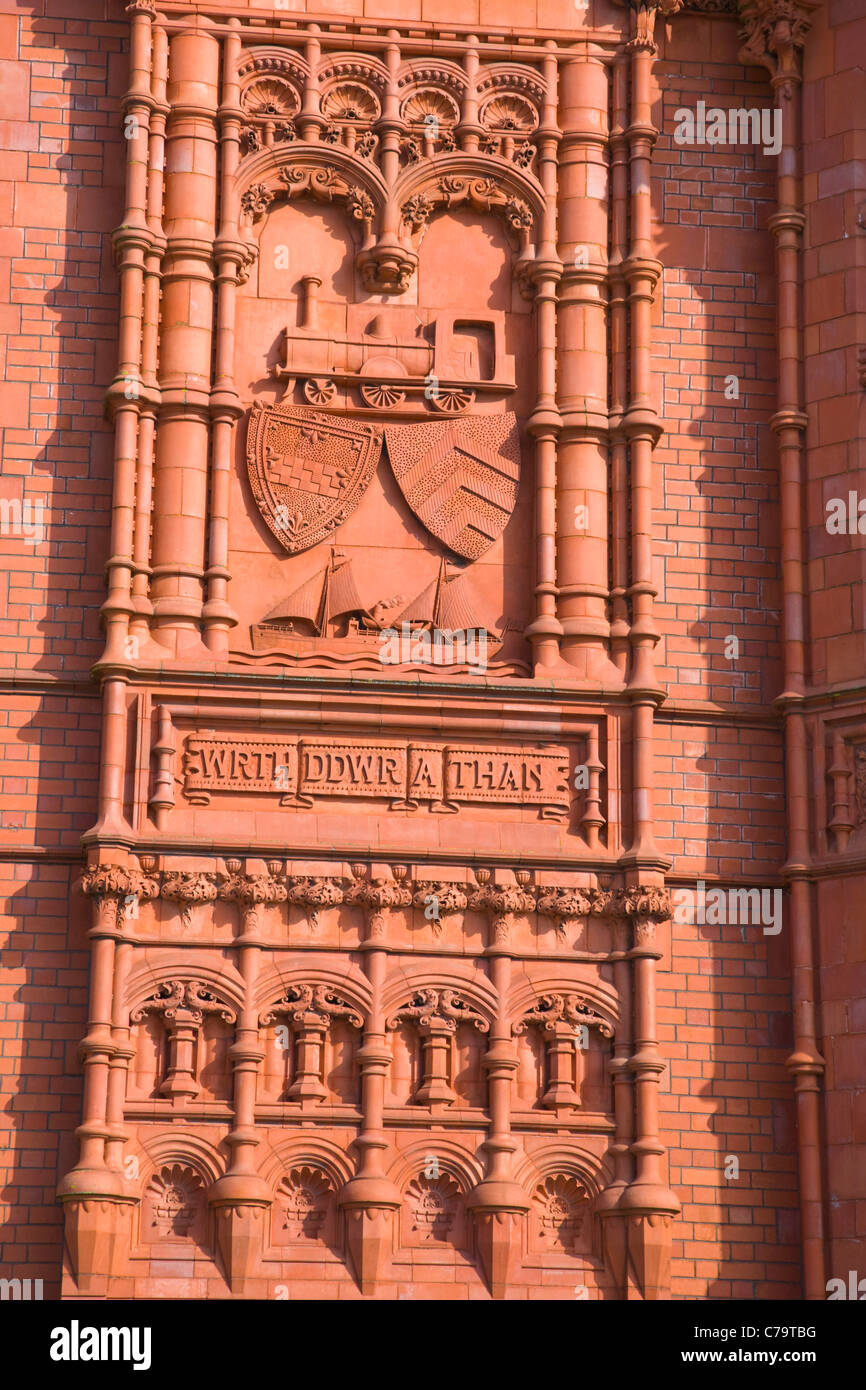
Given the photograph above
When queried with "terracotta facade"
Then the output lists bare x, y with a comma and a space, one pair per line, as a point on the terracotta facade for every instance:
435, 843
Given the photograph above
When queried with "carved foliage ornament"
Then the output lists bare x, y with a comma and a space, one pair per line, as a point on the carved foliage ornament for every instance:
440, 1008
183, 999
304, 1194
860, 783
307, 471
312, 1004
175, 1194
773, 34
553, 1009
350, 101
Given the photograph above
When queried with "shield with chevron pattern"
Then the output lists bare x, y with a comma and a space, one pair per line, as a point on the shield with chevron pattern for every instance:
459, 477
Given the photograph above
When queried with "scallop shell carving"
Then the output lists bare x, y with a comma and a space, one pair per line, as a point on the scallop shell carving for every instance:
270, 96
350, 101
428, 101
507, 112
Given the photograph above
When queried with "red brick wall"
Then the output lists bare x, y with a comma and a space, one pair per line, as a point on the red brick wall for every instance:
62, 71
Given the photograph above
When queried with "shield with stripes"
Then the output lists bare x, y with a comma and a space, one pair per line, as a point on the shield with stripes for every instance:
459, 477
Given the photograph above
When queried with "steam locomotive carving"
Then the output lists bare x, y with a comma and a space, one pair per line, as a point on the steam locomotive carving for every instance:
448, 365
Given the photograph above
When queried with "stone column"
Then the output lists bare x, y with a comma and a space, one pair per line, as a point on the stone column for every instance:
132, 241
370, 1200
582, 482
544, 424
150, 395
181, 483
240, 1197
648, 1203
95, 1196
641, 426
231, 260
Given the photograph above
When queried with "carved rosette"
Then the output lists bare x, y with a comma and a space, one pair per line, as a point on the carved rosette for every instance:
565, 906
314, 894
438, 901
190, 889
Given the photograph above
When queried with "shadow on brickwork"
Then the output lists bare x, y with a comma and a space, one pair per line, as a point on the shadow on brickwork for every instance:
48, 804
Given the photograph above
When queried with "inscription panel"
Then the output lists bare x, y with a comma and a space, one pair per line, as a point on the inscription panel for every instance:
409, 775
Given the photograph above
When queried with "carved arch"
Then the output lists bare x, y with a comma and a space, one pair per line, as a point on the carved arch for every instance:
459, 1163
347, 67
524, 995
268, 60
572, 1159
499, 78
305, 1149
328, 173
398, 988
222, 980
349, 983
174, 1146
418, 73
486, 184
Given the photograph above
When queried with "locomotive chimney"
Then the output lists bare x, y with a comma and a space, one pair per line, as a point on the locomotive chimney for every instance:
310, 301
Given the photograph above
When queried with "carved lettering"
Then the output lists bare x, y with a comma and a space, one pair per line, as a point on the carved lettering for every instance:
237, 763
350, 770
540, 778
406, 774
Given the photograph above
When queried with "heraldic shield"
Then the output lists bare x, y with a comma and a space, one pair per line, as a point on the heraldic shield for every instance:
308, 472
460, 478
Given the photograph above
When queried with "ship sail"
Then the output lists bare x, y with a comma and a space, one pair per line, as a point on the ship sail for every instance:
329, 594
454, 613
304, 603
444, 604
343, 596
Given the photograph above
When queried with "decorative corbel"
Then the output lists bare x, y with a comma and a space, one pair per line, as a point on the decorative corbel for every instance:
502, 904
436, 1014
311, 1009
183, 1005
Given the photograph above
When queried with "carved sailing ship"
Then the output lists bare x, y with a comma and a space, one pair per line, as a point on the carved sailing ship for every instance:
444, 607
329, 607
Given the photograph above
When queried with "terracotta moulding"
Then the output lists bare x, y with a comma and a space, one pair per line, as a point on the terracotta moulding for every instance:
774, 36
